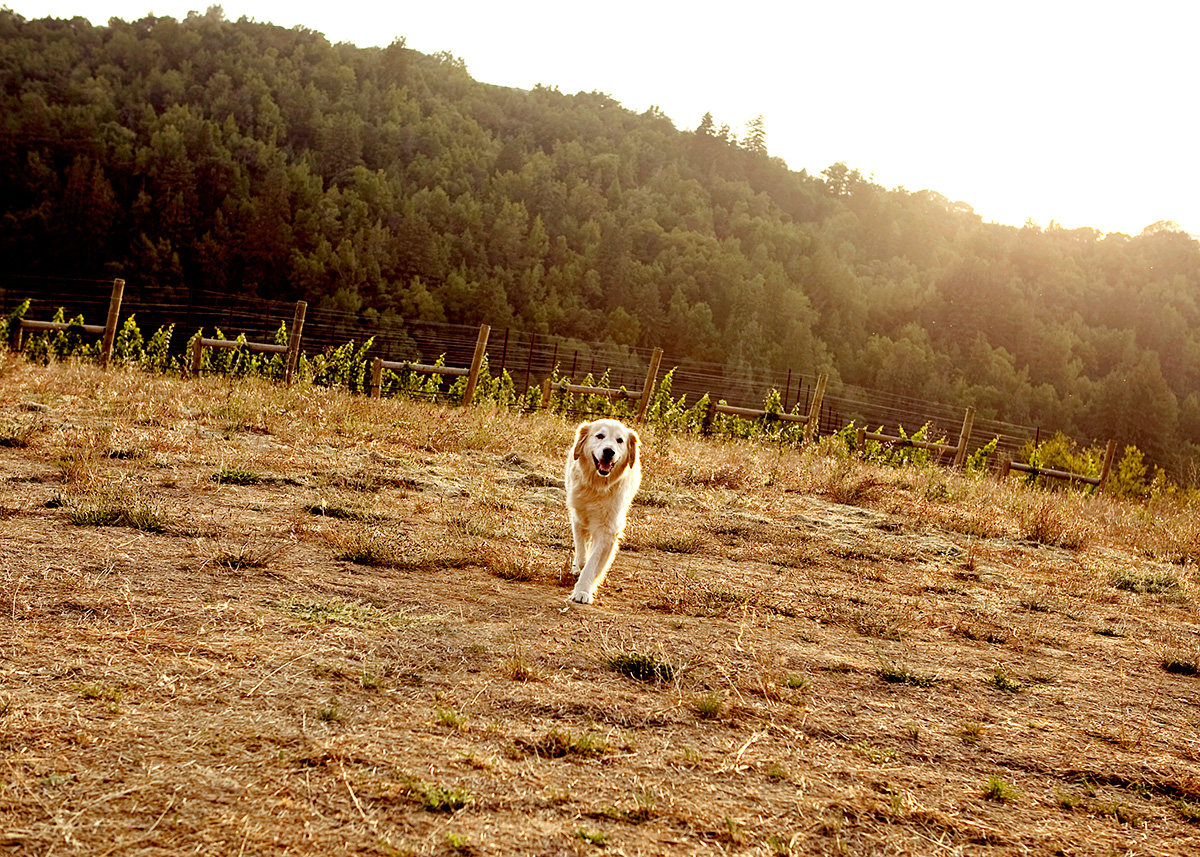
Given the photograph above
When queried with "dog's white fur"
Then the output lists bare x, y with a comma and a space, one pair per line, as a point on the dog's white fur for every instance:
602, 475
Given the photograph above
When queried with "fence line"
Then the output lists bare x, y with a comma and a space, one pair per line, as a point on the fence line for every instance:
1006, 465
528, 357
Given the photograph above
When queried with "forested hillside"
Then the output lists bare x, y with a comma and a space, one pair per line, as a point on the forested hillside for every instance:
390, 184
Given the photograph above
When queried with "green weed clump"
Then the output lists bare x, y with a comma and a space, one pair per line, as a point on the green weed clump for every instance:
997, 790
557, 744
640, 666
437, 798
236, 476
1001, 680
709, 707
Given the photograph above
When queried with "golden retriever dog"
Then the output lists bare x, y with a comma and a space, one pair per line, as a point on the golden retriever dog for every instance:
602, 475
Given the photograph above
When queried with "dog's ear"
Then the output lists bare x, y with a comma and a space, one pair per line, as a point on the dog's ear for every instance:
581, 435
634, 440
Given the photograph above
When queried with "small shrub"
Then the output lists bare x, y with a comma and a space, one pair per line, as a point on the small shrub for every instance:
998, 790
685, 543
776, 771
1189, 811
436, 798
1047, 521
709, 707
1122, 812
970, 732
903, 674
107, 692
17, 435
557, 744
645, 809
1066, 800
236, 476
379, 550
450, 718
878, 755
518, 668
249, 556
1001, 680
592, 837
641, 667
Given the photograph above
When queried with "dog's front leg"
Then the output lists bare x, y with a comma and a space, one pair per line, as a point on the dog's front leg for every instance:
604, 549
579, 534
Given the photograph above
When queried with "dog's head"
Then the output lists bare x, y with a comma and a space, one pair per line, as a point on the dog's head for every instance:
606, 447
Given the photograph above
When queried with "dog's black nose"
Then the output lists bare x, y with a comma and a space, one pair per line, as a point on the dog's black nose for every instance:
607, 454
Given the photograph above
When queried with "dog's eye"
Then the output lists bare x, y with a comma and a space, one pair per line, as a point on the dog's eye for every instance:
600, 436
620, 440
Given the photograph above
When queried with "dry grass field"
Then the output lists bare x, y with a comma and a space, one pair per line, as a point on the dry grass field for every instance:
243, 619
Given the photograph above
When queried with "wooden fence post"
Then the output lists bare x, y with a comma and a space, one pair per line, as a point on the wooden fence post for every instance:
197, 353
547, 385
960, 457
1004, 466
1106, 468
376, 377
476, 362
110, 326
529, 365
648, 387
812, 428
293, 343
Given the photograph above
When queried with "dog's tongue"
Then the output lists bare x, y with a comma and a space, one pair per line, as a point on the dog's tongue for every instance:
604, 467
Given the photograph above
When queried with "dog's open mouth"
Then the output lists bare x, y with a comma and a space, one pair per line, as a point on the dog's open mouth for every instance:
604, 466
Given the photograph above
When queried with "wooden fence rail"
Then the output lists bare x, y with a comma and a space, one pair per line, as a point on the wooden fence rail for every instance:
291, 350
109, 329
809, 420
1007, 465
643, 395
960, 451
472, 373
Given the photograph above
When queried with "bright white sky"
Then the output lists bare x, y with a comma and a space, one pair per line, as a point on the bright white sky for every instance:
1082, 113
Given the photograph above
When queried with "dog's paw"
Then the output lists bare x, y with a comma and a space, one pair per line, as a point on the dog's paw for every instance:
581, 597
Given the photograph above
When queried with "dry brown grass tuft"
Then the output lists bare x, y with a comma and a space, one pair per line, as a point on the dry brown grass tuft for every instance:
366, 647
